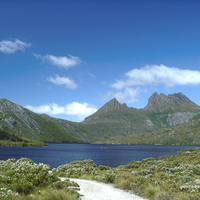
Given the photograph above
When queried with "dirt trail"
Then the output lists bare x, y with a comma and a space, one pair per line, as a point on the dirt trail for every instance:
93, 190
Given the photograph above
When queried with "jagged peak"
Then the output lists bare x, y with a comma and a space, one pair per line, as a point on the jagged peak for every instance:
113, 104
161, 102
108, 107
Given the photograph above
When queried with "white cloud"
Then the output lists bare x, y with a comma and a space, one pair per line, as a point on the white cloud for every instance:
154, 75
65, 62
129, 95
79, 110
69, 83
9, 47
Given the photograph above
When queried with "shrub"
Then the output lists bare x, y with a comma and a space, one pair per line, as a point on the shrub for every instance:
59, 184
109, 176
103, 167
76, 169
23, 187
23, 175
133, 165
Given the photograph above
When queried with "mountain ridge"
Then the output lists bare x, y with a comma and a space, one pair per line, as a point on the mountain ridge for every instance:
112, 119
156, 103
161, 102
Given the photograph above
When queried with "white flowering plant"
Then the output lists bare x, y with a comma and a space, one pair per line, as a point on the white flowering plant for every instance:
23, 175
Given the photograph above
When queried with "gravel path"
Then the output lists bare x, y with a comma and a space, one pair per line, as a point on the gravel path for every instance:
93, 190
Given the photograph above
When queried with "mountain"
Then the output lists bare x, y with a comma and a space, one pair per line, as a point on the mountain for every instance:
112, 119
115, 119
181, 134
112, 106
172, 102
22, 123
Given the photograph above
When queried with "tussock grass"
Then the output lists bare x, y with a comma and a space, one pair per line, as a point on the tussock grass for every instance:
152, 191
123, 183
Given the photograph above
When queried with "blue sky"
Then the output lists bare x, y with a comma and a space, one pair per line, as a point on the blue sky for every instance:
67, 58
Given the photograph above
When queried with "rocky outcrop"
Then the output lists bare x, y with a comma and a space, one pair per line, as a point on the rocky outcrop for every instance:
179, 118
113, 104
109, 107
10, 121
148, 122
161, 102
13, 113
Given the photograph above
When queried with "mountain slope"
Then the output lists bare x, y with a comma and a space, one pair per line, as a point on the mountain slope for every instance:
115, 119
181, 134
112, 119
21, 122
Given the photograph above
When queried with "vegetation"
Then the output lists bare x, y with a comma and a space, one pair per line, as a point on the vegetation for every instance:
24, 179
175, 177
167, 177
22, 144
181, 134
54, 134
7, 139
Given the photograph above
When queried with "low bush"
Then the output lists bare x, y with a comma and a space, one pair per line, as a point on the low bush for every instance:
109, 176
18, 179
103, 167
76, 169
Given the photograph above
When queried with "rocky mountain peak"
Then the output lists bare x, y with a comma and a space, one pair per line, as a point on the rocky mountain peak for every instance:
108, 107
161, 102
113, 104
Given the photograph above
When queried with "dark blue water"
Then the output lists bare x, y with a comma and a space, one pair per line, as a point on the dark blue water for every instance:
110, 155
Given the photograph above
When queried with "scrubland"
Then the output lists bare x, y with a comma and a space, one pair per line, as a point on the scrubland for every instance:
164, 178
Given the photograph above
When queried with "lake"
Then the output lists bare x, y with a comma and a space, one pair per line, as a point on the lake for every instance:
109, 155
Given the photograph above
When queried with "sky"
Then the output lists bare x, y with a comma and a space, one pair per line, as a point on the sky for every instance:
67, 58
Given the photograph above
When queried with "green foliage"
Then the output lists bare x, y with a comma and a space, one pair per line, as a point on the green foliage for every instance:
19, 178
22, 144
77, 169
109, 176
103, 167
23, 175
54, 134
22, 186
133, 165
